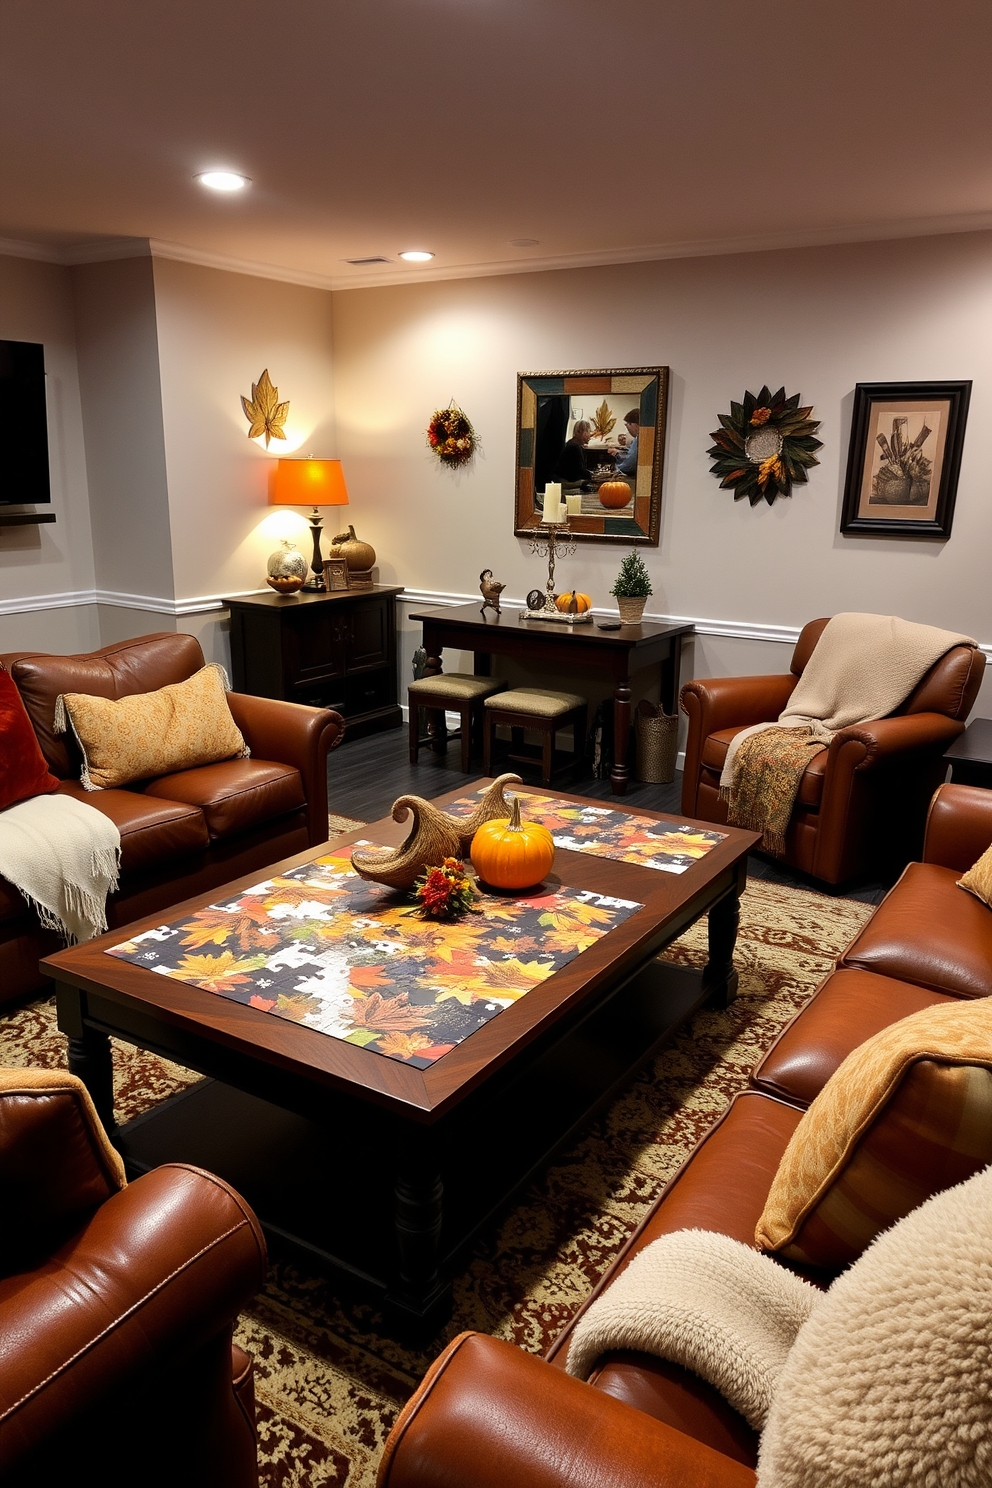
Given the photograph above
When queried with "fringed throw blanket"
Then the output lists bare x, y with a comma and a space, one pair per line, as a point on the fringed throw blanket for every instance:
861, 669
706, 1302
63, 856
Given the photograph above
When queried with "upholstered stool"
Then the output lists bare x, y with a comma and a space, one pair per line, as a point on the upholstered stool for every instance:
456, 692
543, 711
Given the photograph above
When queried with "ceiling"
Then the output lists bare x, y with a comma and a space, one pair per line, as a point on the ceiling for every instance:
604, 132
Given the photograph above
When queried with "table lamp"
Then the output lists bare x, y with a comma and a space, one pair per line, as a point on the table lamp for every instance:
310, 482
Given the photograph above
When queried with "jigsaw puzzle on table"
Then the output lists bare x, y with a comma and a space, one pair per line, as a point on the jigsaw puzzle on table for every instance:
322, 947
669, 847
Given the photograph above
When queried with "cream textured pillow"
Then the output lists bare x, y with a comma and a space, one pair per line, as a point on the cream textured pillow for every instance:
887, 1383
978, 879
152, 733
907, 1114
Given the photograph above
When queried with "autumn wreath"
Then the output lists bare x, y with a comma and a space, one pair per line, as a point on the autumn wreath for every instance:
451, 436
763, 445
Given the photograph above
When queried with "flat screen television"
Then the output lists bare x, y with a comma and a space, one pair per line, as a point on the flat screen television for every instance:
24, 474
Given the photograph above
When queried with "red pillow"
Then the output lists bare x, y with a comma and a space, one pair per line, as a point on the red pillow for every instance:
23, 771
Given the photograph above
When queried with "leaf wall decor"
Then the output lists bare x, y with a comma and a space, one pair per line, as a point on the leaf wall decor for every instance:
265, 414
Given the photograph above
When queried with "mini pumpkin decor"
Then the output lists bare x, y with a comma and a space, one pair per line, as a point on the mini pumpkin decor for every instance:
764, 445
512, 854
614, 494
450, 435
573, 603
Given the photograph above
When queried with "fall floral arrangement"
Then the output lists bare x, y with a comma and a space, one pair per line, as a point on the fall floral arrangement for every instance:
446, 892
451, 436
763, 445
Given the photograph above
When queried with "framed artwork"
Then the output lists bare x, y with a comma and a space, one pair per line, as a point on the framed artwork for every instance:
335, 574
902, 471
599, 438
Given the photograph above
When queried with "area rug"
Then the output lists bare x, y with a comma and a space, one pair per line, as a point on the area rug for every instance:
330, 1382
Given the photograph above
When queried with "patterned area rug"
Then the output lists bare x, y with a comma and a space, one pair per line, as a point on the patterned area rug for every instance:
329, 1382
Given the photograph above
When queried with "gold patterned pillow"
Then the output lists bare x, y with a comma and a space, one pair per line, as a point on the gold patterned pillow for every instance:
907, 1114
978, 879
152, 733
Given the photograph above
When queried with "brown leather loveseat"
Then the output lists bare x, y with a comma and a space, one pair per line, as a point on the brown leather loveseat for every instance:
487, 1414
182, 834
862, 803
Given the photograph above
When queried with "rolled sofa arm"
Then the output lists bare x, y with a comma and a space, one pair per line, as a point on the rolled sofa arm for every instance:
488, 1415
959, 826
887, 738
735, 702
160, 1268
293, 734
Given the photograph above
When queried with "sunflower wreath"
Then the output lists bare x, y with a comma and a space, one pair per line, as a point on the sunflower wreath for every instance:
764, 444
451, 436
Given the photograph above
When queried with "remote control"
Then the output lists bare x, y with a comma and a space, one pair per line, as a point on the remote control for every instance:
608, 624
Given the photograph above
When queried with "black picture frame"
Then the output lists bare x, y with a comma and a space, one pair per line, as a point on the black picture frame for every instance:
871, 500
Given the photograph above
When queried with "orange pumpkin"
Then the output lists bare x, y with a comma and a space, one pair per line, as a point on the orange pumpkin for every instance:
512, 854
573, 603
614, 493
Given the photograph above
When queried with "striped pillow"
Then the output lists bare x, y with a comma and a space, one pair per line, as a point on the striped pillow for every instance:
906, 1115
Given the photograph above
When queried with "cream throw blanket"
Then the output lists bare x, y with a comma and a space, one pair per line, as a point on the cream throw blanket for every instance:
706, 1302
63, 856
862, 668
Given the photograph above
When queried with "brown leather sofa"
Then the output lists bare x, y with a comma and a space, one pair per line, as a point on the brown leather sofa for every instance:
488, 1414
185, 833
116, 1308
862, 803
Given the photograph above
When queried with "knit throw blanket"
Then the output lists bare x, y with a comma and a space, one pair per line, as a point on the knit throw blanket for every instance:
861, 669
706, 1302
63, 856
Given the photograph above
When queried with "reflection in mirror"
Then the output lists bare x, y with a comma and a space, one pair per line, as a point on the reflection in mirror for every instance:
601, 437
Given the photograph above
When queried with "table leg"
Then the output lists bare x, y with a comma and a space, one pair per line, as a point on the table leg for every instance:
671, 670
719, 976
436, 725
418, 1209
482, 663
89, 1054
621, 736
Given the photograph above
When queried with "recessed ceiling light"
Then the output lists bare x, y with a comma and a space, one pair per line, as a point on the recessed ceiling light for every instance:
524, 242
416, 255
223, 180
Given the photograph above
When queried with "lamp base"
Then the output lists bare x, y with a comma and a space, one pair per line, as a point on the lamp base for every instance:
314, 586
315, 583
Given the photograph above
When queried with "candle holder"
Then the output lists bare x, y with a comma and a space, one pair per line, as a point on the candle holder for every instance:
552, 541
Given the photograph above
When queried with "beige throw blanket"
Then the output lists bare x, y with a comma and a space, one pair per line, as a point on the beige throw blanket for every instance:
861, 669
63, 855
706, 1302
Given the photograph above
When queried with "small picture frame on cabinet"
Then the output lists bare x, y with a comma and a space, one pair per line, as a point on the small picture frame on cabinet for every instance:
905, 457
335, 574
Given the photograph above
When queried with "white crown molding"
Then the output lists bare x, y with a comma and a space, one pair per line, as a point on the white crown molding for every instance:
864, 232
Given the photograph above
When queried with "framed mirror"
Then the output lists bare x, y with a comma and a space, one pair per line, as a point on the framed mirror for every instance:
600, 436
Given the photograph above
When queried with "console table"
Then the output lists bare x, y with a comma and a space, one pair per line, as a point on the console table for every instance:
333, 650
612, 653
970, 756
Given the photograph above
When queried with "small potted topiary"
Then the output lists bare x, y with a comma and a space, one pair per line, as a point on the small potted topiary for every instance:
632, 588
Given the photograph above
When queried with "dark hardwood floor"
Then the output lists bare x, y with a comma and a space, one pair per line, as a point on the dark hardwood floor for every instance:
365, 776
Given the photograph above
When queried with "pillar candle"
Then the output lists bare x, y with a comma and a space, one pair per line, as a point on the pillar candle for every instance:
552, 503
574, 505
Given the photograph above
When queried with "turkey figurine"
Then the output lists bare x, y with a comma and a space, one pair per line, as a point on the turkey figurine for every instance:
490, 590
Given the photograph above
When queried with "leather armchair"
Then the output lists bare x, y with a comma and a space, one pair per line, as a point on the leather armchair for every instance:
116, 1307
862, 803
187, 832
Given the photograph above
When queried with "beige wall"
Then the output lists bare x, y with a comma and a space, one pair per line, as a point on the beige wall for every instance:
818, 320
122, 416
55, 559
216, 333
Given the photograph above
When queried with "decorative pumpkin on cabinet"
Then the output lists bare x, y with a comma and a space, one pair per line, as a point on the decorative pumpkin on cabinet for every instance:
512, 854
614, 494
573, 603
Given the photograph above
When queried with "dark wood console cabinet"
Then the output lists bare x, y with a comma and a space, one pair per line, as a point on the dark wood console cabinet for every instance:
334, 650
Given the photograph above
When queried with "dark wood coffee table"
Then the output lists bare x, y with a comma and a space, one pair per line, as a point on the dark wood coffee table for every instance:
384, 1170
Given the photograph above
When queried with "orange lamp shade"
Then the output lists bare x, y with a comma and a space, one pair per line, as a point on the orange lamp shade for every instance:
308, 483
